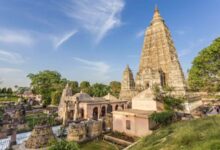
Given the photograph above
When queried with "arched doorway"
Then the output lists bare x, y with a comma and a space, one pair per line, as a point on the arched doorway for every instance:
95, 113
116, 107
82, 113
109, 108
103, 111
129, 105
70, 114
122, 106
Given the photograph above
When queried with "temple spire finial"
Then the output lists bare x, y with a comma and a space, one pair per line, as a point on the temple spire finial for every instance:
127, 68
156, 16
156, 8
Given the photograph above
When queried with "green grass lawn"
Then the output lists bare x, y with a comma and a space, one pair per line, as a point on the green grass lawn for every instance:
200, 134
97, 145
8, 98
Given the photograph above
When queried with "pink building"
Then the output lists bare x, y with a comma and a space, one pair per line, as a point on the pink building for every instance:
135, 121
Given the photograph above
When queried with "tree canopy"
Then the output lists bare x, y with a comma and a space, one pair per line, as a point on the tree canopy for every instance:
45, 83
205, 72
115, 88
100, 90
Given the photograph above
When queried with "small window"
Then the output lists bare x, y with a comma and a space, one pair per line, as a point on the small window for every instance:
128, 124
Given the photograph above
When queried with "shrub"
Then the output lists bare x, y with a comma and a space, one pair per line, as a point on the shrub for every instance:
172, 103
162, 118
64, 145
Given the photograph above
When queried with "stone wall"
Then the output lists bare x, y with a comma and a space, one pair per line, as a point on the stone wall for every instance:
76, 132
85, 130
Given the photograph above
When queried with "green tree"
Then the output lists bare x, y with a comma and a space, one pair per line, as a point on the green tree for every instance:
21, 90
55, 97
4, 90
85, 87
46, 82
100, 90
84, 84
9, 91
205, 72
75, 86
115, 88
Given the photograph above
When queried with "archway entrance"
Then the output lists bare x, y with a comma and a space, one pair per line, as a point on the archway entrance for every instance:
95, 113
82, 113
70, 114
103, 111
116, 107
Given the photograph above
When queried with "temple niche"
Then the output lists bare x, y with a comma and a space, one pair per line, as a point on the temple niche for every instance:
159, 63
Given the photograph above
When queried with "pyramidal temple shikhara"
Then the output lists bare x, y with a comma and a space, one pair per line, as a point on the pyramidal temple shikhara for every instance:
159, 65
159, 62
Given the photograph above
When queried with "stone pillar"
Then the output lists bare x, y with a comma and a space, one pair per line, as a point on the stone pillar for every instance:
65, 117
99, 112
13, 138
76, 109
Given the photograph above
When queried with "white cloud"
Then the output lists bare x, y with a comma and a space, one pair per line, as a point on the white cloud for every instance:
9, 70
9, 77
16, 37
99, 69
64, 38
140, 33
11, 57
98, 17
1, 80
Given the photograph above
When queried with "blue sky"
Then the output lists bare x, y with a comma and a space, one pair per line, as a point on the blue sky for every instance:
94, 39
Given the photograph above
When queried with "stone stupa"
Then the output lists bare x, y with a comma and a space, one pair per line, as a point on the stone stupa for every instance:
41, 137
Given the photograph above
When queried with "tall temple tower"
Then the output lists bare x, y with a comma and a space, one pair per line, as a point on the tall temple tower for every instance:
127, 85
159, 62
